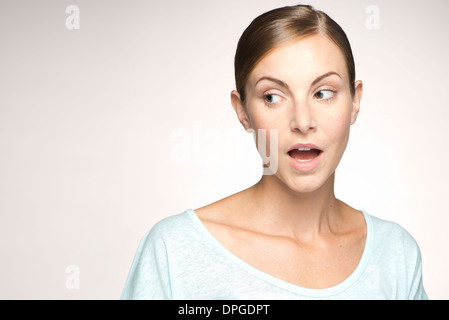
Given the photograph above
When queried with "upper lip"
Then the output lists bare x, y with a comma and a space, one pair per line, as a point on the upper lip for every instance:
304, 145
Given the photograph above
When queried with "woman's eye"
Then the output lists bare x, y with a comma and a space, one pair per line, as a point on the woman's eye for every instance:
324, 94
272, 98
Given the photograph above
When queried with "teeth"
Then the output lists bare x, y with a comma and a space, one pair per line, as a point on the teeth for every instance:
304, 149
303, 160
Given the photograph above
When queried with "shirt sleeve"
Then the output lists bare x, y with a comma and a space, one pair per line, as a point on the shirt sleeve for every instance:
148, 277
413, 268
417, 291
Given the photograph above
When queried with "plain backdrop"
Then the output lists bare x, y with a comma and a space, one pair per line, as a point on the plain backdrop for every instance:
109, 128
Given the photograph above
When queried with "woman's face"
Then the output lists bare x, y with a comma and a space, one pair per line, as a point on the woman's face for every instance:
302, 90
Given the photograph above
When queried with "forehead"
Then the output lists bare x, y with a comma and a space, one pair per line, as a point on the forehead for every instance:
301, 60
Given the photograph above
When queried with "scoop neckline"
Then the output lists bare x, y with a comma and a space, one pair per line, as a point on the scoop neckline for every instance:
311, 292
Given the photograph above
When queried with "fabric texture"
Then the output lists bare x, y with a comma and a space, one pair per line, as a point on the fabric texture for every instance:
180, 259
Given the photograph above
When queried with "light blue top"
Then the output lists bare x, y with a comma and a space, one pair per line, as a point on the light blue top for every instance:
180, 259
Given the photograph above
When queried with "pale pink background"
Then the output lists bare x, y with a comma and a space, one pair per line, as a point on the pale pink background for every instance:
89, 117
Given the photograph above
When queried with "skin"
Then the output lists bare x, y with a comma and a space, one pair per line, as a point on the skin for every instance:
312, 238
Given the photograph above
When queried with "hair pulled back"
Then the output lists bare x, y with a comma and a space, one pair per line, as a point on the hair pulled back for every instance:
280, 26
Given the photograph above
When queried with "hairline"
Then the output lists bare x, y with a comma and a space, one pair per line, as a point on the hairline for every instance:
290, 40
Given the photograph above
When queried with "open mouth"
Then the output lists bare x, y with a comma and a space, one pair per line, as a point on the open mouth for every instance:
304, 154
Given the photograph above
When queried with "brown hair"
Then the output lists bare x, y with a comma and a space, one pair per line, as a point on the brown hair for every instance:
279, 26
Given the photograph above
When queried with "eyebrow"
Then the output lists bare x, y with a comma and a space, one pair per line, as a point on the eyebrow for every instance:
279, 82
318, 79
283, 84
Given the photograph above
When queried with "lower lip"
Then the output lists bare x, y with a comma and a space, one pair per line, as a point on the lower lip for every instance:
305, 166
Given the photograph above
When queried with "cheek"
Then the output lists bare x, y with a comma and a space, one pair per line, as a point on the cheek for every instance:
266, 132
337, 129
264, 120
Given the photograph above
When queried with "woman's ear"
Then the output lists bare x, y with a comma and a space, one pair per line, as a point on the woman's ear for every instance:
240, 109
356, 100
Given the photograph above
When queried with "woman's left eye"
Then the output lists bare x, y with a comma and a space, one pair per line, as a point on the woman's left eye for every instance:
324, 94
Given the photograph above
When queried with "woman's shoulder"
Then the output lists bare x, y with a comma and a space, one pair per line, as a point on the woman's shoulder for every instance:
177, 220
388, 227
396, 252
391, 234
170, 228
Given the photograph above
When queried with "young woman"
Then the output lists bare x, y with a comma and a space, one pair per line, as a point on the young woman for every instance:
288, 236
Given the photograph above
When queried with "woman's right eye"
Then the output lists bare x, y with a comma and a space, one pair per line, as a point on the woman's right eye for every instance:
272, 98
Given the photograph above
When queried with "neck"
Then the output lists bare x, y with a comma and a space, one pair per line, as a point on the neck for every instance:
305, 215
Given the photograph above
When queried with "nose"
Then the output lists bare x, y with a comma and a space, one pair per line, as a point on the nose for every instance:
303, 118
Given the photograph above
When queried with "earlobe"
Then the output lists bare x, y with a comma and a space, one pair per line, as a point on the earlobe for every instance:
240, 110
356, 100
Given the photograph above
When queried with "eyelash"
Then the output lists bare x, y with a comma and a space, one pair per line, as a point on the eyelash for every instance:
328, 100
275, 103
270, 103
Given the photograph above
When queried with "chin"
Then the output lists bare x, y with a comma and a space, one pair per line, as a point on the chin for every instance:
309, 182
301, 183
304, 187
